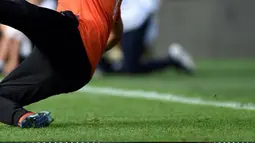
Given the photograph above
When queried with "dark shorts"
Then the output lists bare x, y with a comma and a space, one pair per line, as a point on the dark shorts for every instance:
59, 63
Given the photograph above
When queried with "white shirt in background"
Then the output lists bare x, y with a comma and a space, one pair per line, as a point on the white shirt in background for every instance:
135, 12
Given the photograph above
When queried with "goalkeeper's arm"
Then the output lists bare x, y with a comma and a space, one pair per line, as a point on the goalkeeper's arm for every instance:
115, 35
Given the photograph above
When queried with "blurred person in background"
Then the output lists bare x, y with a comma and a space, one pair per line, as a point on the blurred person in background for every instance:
140, 31
12, 49
15, 46
1, 48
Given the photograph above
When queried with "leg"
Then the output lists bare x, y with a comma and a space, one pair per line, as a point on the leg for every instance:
42, 26
49, 30
133, 48
38, 78
19, 83
25, 16
14, 13
32, 81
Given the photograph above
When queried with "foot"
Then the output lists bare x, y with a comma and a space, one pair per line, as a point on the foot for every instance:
184, 60
36, 120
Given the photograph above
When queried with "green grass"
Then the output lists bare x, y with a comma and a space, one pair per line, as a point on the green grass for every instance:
85, 117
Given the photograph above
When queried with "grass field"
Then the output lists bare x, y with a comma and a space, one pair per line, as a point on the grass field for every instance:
83, 116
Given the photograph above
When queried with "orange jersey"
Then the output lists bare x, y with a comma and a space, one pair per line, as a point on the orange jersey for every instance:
96, 18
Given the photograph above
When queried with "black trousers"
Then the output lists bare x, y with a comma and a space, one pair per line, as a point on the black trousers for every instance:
133, 48
43, 73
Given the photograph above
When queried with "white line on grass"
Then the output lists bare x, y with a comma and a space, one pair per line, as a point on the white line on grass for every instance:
153, 95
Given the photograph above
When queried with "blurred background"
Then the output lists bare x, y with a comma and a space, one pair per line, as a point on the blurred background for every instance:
173, 54
209, 28
194, 29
